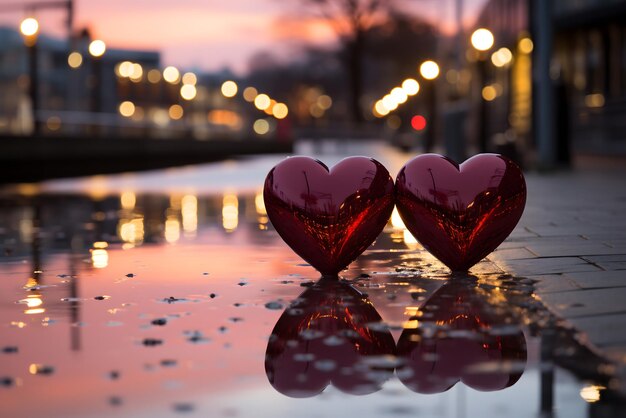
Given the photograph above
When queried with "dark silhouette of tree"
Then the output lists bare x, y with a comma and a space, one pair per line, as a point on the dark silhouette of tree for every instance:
351, 19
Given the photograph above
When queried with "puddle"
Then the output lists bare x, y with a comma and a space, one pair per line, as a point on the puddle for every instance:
187, 309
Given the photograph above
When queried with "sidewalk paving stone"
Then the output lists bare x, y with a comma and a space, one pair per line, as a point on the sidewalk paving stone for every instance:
571, 241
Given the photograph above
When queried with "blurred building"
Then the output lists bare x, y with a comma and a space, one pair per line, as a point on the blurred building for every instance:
587, 73
73, 86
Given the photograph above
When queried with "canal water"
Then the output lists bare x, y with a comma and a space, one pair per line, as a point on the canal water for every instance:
169, 293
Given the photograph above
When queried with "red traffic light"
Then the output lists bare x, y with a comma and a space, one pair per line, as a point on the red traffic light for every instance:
418, 122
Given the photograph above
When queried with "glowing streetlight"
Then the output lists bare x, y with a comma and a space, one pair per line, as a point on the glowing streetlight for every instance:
97, 48
188, 91
171, 75
410, 86
482, 39
502, 57
429, 70
75, 59
29, 26
229, 88
262, 101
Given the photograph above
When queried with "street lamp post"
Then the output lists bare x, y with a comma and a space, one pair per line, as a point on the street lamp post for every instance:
30, 29
482, 40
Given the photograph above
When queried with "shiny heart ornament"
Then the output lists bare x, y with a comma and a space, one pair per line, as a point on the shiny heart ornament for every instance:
329, 217
460, 213
331, 334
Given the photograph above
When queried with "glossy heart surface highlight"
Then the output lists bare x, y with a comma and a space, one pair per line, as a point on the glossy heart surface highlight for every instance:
329, 336
461, 336
460, 213
329, 217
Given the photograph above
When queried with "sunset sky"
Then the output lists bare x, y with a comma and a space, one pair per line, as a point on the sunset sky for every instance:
214, 34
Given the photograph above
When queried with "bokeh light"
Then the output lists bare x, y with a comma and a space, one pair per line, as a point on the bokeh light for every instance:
389, 103
136, 72
482, 39
229, 88
176, 112
429, 70
171, 74
188, 92
190, 78
97, 48
489, 93
127, 109
75, 59
399, 95
249, 94
502, 57
418, 122
410, 86
526, 45
29, 26
380, 110
280, 111
154, 76
261, 126
324, 101
262, 101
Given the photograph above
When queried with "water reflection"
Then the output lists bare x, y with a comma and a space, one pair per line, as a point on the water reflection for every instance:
460, 334
329, 336
332, 334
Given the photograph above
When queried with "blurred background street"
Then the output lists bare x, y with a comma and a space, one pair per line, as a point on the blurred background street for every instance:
539, 81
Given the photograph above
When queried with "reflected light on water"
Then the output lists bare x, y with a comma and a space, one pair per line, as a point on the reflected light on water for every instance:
99, 258
408, 238
396, 220
260, 204
131, 230
591, 393
172, 229
189, 214
230, 212
32, 301
34, 311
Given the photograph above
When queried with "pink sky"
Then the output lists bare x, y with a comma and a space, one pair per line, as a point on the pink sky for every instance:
212, 34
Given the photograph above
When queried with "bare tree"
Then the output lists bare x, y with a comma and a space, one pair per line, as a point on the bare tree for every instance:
351, 19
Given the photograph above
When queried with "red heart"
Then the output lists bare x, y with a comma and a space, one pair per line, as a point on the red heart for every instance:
328, 335
459, 332
329, 217
460, 213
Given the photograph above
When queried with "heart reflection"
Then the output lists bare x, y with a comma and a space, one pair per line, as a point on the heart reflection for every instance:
329, 335
463, 334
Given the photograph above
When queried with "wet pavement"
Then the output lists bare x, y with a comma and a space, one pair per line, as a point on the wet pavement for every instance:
169, 293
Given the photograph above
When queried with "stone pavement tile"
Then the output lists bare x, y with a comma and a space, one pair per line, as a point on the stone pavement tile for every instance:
609, 262
597, 279
572, 248
522, 233
511, 254
486, 267
557, 231
553, 283
603, 330
581, 303
541, 266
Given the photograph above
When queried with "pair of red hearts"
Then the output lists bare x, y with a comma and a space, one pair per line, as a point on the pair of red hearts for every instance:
458, 213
